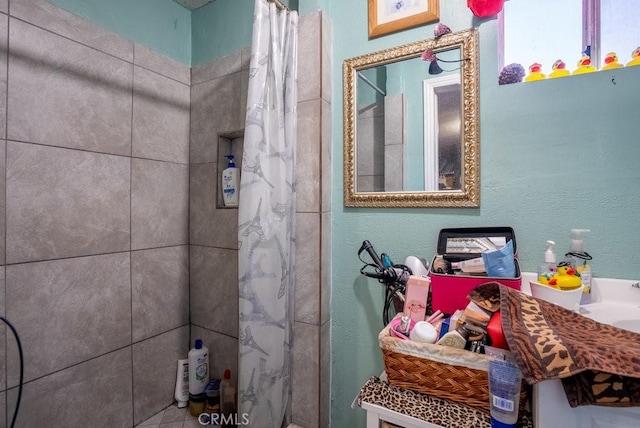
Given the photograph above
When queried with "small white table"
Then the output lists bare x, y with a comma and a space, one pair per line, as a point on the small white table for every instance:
377, 414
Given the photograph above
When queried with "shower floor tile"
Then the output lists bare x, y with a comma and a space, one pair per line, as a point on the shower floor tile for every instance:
171, 417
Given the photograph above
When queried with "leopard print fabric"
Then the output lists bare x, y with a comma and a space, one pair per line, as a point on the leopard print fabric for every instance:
599, 364
427, 408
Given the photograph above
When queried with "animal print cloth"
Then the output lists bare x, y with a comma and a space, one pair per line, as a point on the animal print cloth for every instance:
599, 364
427, 408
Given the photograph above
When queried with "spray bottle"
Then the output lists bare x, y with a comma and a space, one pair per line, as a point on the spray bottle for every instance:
579, 260
549, 267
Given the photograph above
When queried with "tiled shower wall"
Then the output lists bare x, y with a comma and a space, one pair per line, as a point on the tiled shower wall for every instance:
218, 97
95, 268
94, 158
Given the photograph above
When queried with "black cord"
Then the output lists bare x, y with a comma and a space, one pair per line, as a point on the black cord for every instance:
15, 334
390, 294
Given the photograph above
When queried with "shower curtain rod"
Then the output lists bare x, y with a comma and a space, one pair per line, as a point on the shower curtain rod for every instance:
279, 5
370, 83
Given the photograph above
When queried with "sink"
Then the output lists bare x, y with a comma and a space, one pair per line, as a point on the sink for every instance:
617, 303
621, 315
631, 325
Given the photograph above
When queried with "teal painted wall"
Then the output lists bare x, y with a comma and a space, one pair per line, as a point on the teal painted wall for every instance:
223, 27
555, 155
163, 26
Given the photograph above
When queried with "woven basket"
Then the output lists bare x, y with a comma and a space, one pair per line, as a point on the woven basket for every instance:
440, 371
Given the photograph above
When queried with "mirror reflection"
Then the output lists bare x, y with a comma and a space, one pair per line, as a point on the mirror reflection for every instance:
411, 136
408, 129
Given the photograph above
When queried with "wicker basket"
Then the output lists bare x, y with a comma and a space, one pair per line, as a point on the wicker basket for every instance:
440, 371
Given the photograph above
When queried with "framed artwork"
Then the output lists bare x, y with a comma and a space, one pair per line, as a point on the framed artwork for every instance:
388, 16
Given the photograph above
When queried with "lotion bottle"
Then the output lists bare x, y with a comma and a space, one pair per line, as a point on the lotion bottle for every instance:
230, 182
182, 383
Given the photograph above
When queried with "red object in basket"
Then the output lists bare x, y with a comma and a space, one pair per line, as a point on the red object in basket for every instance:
484, 8
494, 330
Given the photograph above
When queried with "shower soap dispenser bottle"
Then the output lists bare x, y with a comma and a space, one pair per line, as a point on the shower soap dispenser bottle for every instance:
198, 377
230, 182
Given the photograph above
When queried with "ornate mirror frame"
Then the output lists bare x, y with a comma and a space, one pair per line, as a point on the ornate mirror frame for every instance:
469, 194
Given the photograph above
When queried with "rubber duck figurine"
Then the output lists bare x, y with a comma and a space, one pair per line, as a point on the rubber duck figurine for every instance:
565, 278
559, 70
635, 57
611, 62
535, 73
584, 65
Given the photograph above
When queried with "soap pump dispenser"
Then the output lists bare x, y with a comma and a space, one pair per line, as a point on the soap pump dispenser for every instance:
549, 267
230, 181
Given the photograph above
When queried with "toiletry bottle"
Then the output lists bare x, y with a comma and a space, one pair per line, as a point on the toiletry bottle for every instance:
230, 181
505, 381
198, 377
212, 391
455, 338
470, 266
579, 260
549, 267
227, 399
405, 325
182, 383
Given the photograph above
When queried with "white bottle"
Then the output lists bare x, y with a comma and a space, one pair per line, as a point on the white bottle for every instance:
182, 383
549, 267
470, 266
198, 368
230, 181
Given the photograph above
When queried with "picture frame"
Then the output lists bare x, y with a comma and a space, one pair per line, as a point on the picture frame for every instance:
389, 16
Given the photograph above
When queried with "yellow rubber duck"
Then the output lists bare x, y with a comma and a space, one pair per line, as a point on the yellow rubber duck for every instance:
535, 73
559, 70
635, 57
584, 65
611, 62
566, 278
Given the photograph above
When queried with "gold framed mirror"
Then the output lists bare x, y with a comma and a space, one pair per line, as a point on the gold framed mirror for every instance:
411, 138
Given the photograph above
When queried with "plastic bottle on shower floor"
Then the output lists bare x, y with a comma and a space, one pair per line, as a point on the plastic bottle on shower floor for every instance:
198, 377
227, 399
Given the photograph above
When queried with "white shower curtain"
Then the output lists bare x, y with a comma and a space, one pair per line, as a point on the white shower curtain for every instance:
266, 256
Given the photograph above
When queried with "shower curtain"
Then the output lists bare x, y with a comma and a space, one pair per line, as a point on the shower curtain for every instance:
266, 255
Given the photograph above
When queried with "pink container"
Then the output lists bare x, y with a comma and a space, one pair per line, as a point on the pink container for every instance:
449, 292
416, 298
